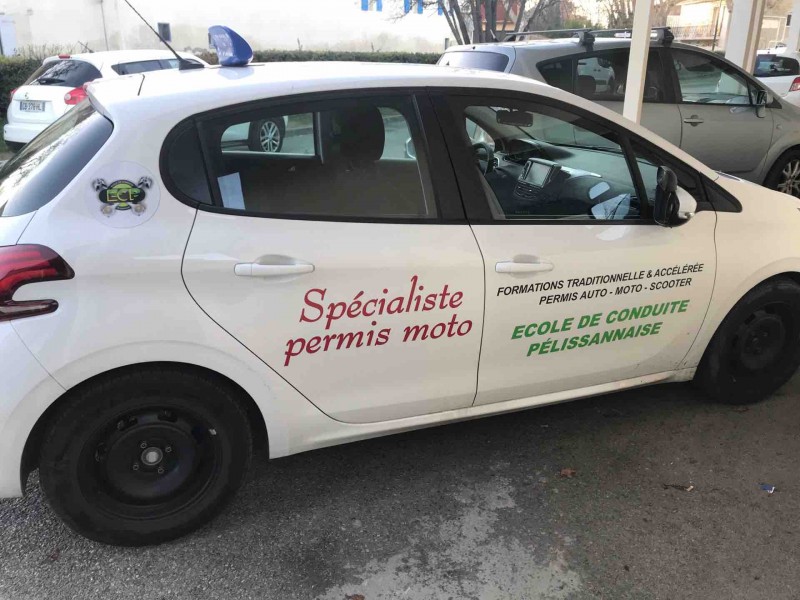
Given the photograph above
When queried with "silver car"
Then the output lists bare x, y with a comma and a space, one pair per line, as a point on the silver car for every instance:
695, 99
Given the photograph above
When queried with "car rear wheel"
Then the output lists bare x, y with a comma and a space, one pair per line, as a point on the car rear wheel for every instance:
756, 348
266, 135
145, 457
785, 174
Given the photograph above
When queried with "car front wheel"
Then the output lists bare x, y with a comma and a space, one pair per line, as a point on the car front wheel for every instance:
144, 457
756, 348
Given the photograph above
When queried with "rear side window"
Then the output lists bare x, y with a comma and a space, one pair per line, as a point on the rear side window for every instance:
772, 65
45, 166
348, 159
68, 73
488, 61
140, 66
602, 77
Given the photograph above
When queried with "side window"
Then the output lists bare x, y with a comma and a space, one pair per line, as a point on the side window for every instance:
345, 159
706, 80
558, 74
546, 163
141, 66
602, 77
771, 65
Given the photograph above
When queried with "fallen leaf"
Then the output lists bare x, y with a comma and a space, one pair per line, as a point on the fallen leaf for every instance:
54, 555
677, 486
354, 597
740, 409
568, 472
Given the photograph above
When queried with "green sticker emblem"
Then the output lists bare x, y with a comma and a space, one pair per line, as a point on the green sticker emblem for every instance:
122, 195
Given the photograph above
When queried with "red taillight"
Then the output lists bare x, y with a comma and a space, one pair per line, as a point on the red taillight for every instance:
795, 85
11, 95
63, 55
75, 96
24, 264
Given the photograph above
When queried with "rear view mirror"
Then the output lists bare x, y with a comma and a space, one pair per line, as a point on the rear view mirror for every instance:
763, 99
517, 118
410, 150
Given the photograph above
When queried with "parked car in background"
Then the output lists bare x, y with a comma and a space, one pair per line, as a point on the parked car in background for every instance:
697, 100
57, 86
781, 73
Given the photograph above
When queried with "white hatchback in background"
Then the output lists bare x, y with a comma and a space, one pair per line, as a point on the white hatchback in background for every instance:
57, 86
781, 73
168, 295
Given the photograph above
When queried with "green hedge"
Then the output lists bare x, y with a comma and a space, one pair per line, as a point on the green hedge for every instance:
13, 73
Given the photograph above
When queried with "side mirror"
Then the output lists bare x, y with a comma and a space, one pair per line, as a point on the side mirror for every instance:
763, 99
673, 204
411, 152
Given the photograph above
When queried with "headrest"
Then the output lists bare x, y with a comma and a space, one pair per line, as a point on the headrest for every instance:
360, 134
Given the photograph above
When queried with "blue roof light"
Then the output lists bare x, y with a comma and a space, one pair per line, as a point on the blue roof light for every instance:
232, 49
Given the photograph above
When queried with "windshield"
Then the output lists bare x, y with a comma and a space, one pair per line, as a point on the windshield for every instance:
51, 160
68, 73
488, 61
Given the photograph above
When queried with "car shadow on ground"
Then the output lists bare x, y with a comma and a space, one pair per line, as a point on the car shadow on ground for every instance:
578, 500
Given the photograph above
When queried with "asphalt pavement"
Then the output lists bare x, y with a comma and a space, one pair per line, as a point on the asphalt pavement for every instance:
653, 493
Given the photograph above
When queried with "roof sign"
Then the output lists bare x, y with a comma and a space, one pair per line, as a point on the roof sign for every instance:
232, 49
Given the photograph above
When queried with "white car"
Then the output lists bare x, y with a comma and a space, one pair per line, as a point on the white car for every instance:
166, 300
781, 73
58, 85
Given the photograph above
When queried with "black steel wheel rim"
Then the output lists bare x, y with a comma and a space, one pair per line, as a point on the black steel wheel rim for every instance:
150, 462
764, 339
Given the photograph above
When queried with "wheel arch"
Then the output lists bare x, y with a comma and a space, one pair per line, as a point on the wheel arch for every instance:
714, 321
31, 449
772, 162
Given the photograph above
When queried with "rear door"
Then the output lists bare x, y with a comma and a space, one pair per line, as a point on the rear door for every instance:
722, 127
344, 260
601, 77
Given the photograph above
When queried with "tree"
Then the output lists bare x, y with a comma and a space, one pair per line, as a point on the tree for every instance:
474, 21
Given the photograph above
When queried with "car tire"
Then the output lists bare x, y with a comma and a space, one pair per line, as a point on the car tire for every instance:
784, 176
14, 146
756, 348
144, 457
266, 135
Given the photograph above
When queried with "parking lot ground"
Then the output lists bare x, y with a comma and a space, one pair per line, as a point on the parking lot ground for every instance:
477, 510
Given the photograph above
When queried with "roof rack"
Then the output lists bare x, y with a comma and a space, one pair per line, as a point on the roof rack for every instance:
586, 37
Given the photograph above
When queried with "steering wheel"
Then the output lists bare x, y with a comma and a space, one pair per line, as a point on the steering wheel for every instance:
477, 147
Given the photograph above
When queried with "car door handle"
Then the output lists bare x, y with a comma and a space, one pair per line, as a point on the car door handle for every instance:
694, 120
523, 267
257, 270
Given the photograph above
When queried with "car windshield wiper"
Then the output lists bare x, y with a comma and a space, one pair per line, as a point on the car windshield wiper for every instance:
49, 80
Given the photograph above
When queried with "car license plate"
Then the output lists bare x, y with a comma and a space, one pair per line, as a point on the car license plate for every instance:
31, 106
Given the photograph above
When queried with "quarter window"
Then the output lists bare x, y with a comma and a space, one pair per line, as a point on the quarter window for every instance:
540, 163
705, 80
344, 159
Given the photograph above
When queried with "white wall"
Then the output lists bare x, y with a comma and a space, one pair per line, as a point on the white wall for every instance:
319, 24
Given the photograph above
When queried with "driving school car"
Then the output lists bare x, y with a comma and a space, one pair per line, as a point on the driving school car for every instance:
166, 300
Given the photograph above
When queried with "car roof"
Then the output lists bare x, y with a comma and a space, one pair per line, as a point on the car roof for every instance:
115, 57
175, 95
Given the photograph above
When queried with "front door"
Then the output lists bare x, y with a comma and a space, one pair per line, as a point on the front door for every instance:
722, 127
582, 287
342, 258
